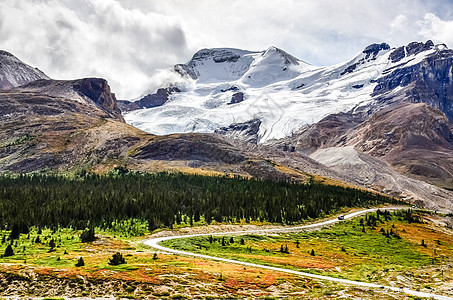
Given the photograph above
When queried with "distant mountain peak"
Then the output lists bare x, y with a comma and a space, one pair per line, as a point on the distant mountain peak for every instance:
286, 93
14, 72
289, 59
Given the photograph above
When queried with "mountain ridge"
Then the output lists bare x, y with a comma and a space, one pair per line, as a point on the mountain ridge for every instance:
65, 125
323, 107
298, 91
13, 72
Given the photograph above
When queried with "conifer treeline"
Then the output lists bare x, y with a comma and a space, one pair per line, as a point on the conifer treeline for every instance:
164, 199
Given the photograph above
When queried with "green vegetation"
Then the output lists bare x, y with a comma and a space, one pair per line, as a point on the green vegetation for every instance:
385, 245
88, 235
160, 200
20, 140
117, 259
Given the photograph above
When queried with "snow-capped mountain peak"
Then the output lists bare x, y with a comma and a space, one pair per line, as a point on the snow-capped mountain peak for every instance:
232, 86
218, 64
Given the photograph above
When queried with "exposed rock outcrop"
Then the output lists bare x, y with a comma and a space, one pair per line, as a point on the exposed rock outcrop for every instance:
237, 97
91, 91
204, 148
246, 131
430, 81
413, 48
373, 49
160, 97
157, 99
14, 72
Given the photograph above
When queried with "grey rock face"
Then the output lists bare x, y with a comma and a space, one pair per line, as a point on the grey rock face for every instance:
431, 80
14, 72
185, 70
237, 98
157, 99
218, 55
413, 48
246, 131
373, 49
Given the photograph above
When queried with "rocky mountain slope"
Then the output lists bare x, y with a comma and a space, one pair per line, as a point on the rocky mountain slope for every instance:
72, 125
389, 109
67, 126
14, 72
42, 132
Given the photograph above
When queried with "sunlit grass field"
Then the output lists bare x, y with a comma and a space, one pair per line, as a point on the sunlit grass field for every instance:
349, 249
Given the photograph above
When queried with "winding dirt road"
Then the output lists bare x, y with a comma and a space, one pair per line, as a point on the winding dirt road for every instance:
154, 242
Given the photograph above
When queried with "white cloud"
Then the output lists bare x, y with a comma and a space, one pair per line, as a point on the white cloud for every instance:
98, 38
432, 27
399, 23
128, 41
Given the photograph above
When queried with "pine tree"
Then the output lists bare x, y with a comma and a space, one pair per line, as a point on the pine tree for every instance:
80, 263
242, 242
52, 244
88, 235
117, 259
155, 256
312, 253
8, 251
15, 232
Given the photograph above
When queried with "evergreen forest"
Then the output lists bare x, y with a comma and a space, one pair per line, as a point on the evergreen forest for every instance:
164, 199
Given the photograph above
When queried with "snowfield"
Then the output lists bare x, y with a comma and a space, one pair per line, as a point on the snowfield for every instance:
282, 91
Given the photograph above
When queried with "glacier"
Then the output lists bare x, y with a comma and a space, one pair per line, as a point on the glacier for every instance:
282, 91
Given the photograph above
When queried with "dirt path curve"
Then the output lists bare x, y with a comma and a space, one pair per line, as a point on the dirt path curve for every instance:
154, 242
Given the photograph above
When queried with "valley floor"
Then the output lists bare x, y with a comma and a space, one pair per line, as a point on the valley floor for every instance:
344, 250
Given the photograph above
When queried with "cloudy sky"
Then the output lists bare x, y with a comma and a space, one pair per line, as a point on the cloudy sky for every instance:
128, 42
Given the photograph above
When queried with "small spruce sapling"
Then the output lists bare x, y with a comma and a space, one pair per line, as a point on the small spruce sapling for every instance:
8, 251
52, 244
117, 259
80, 263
